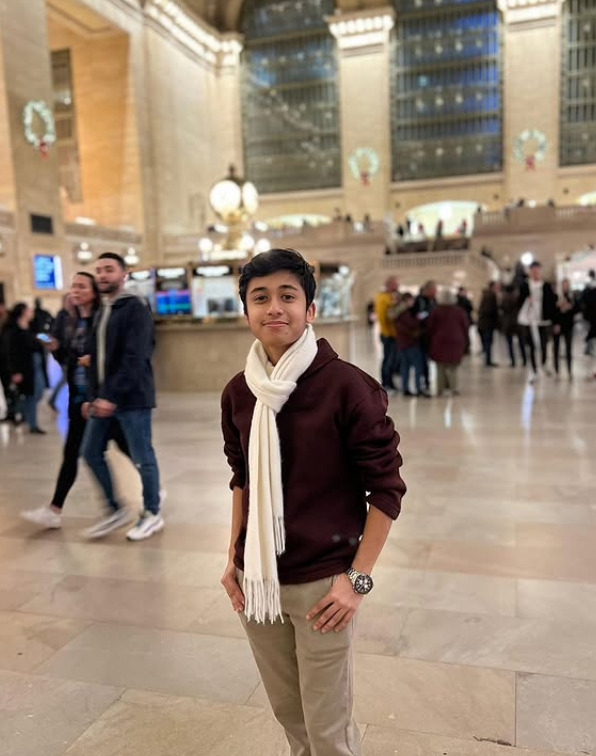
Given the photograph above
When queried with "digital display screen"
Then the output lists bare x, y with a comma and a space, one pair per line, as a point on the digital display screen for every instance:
141, 283
47, 272
215, 292
172, 292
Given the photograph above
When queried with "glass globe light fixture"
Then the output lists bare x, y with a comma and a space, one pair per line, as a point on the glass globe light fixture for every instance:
225, 198
527, 258
233, 199
263, 245
246, 243
84, 253
131, 257
205, 245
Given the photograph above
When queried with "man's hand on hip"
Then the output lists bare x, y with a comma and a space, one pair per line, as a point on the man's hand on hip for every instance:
337, 607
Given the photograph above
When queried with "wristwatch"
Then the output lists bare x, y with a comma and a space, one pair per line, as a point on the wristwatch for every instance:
361, 582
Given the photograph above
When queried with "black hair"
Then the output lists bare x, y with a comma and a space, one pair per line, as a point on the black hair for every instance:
16, 312
113, 256
535, 264
273, 261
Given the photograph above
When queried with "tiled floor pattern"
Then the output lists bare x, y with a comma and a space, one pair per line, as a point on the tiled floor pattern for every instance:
479, 638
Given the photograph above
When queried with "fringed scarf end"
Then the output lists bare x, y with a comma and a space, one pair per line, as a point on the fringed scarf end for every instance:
263, 601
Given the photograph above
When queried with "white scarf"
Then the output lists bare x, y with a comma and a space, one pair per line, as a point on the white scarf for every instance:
265, 533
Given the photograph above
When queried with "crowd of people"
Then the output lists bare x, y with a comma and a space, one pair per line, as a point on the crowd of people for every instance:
416, 330
530, 313
103, 339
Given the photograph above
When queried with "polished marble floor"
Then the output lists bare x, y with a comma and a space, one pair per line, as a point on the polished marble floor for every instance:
479, 636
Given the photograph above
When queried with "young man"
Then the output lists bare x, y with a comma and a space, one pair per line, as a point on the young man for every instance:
316, 486
122, 390
538, 306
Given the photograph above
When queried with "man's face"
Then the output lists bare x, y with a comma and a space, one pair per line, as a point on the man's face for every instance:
392, 284
110, 276
431, 291
276, 311
535, 273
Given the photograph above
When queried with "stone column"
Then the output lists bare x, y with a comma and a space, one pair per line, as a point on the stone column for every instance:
27, 76
228, 113
363, 41
532, 71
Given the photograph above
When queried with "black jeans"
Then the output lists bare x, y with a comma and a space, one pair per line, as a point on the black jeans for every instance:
510, 337
389, 365
568, 337
72, 451
487, 337
543, 333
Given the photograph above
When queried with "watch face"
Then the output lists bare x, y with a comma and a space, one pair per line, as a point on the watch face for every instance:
363, 584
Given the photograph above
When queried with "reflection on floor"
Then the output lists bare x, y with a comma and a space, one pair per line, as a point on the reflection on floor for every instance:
480, 630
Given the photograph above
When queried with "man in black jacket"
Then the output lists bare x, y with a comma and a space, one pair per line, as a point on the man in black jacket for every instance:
489, 320
538, 305
122, 391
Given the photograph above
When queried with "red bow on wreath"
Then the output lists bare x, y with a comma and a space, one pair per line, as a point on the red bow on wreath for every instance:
530, 162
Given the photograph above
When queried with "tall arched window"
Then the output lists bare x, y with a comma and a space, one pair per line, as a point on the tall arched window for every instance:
446, 115
290, 103
578, 84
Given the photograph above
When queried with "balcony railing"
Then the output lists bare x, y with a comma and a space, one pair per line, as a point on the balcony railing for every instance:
433, 259
540, 217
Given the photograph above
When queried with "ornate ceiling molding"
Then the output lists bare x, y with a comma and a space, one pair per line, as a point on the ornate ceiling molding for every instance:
218, 51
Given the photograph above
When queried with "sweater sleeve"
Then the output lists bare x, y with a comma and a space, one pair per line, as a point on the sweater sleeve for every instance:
59, 333
372, 443
232, 443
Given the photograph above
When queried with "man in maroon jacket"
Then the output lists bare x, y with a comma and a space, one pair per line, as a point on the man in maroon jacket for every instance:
316, 486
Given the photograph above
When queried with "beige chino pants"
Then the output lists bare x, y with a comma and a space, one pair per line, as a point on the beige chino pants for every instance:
447, 377
307, 675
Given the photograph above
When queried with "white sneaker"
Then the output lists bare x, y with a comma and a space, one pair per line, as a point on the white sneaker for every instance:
108, 524
146, 526
43, 516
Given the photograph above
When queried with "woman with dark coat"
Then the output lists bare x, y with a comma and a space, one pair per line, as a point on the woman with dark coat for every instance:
73, 352
25, 363
563, 322
447, 330
488, 320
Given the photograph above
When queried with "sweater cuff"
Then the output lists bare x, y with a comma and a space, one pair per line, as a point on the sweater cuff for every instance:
237, 481
388, 503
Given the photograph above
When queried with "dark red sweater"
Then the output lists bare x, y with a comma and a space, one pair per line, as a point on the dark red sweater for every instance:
337, 444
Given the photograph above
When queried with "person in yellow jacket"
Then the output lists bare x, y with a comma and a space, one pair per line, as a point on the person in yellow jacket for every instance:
384, 300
